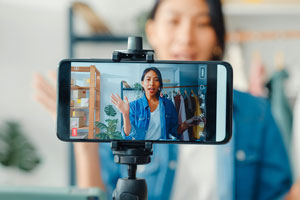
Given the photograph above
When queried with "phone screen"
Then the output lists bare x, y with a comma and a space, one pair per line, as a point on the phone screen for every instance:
159, 102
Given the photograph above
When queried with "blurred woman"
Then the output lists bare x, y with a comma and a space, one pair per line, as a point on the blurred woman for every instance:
249, 167
254, 165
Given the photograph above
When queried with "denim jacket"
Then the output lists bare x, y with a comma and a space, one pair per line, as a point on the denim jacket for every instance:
139, 115
261, 168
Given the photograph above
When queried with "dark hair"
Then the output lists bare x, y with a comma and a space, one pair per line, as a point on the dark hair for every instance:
158, 76
217, 23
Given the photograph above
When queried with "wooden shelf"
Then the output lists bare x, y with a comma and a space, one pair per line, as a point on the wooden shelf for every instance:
81, 135
94, 98
81, 108
84, 128
75, 87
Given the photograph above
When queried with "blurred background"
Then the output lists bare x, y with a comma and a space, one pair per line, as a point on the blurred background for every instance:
263, 39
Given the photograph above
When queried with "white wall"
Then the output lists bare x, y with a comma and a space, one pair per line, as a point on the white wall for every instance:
32, 39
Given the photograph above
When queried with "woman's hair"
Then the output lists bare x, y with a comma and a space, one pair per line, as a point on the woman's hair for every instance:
158, 76
217, 23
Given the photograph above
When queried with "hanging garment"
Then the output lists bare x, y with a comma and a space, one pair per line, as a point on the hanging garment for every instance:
189, 111
296, 139
202, 120
172, 98
180, 109
257, 78
280, 105
182, 118
235, 58
197, 129
177, 102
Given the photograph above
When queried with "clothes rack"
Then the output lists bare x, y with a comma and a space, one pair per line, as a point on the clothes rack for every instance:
248, 36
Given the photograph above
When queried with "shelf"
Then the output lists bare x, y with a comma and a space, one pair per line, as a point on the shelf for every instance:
98, 38
243, 9
84, 128
82, 88
80, 135
132, 89
81, 108
72, 107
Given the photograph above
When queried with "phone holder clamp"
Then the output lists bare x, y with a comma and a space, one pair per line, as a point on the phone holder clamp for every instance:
134, 52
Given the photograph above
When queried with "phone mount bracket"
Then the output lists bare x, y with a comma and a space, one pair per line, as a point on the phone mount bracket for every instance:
134, 52
132, 153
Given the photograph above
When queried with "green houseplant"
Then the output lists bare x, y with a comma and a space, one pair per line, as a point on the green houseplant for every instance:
108, 130
15, 148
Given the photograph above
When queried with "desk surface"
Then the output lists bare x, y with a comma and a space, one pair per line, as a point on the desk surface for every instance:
50, 193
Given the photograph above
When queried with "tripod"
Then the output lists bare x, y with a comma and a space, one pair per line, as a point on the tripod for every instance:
132, 153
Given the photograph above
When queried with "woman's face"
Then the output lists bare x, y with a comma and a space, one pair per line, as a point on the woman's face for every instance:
151, 84
181, 31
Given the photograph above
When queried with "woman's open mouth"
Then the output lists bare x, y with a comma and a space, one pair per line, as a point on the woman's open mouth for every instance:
151, 90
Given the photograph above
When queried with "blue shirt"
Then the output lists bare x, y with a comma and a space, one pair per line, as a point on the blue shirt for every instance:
139, 115
261, 168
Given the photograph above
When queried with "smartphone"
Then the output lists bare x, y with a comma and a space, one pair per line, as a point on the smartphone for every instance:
168, 101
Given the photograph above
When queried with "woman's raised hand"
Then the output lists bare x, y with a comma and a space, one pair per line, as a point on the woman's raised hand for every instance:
123, 106
45, 91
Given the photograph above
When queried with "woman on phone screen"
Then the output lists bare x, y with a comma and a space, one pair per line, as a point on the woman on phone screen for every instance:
150, 117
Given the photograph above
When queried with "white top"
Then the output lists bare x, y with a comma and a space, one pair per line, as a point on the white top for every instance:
154, 129
182, 118
196, 173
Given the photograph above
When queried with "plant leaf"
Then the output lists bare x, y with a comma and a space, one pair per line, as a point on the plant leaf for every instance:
116, 136
101, 125
102, 136
137, 86
110, 111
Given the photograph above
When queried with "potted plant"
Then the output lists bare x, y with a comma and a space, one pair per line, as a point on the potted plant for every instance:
16, 151
108, 130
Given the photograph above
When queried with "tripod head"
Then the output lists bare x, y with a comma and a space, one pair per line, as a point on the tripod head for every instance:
132, 153
134, 52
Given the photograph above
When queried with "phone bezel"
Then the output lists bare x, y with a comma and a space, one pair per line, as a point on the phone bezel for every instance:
63, 100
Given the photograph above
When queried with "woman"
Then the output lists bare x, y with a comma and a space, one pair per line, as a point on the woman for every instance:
150, 117
251, 167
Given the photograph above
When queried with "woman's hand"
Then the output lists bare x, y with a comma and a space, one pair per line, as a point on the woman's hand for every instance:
122, 106
87, 156
192, 121
45, 91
